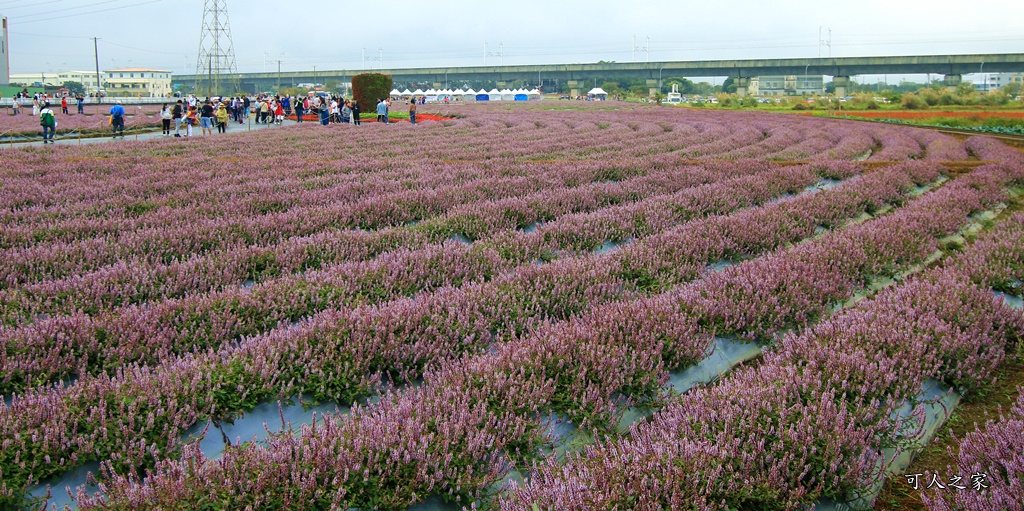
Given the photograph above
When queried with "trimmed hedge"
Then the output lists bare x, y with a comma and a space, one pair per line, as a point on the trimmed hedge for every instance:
369, 87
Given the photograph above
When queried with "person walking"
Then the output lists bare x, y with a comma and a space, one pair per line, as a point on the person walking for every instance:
206, 117
346, 112
286, 102
117, 119
264, 111
246, 105
382, 111
222, 118
48, 122
355, 112
165, 118
299, 110
412, 111
35, 105
177, 113
335, 113
278, 113
325, 115
190, 120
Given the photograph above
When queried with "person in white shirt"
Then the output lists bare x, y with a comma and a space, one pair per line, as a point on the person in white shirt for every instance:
165, 117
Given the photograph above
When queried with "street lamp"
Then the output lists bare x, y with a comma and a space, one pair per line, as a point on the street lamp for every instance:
805, 77
984, 81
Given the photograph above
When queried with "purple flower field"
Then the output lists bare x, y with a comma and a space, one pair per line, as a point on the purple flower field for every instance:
454, 286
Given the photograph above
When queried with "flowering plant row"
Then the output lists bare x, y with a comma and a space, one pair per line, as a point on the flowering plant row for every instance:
137, 281
810, 420
996, 451
571, 367
76, 342
277, 221
339, 355
301, 157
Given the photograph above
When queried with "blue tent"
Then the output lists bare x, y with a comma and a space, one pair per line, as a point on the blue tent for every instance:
483, 97
521, 97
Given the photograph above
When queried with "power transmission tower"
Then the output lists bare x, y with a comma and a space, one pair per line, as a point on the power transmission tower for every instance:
216, 57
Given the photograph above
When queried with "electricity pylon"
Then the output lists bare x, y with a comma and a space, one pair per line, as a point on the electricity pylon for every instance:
216, 59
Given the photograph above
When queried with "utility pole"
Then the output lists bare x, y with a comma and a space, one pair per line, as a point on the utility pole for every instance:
824, 42
278, 76
96, 53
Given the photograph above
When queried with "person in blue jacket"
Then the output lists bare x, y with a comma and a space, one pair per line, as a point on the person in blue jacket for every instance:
325, 115
382, 111
117, 119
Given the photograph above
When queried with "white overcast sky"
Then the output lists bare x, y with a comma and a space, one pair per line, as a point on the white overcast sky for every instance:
55, 35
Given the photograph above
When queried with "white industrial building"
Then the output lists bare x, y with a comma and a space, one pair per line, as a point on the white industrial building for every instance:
786, 85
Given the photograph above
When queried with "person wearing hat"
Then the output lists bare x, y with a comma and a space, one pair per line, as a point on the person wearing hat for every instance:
117, 118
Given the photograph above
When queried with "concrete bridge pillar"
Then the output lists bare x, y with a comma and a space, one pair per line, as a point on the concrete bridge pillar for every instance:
653, 87
953, 80
841, 83
742, 84
574, 87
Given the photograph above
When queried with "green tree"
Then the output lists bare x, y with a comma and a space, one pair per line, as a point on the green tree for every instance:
685, 86
74, 87
612, 88
703, 88
367, 88
729, 86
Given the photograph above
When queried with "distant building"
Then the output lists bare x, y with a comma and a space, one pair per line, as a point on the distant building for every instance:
28, 79
135, 81
786, 85
5, 59
995, 81
86, 78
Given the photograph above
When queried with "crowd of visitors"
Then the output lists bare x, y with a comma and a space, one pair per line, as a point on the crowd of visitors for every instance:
39, 100
218, 113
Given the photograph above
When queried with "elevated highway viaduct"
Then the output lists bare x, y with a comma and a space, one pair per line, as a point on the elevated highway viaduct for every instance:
952, 67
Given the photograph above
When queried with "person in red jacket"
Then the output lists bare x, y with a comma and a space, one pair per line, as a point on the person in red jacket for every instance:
278, 113
64, 105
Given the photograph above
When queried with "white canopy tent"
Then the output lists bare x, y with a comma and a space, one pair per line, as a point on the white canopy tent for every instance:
598, 94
